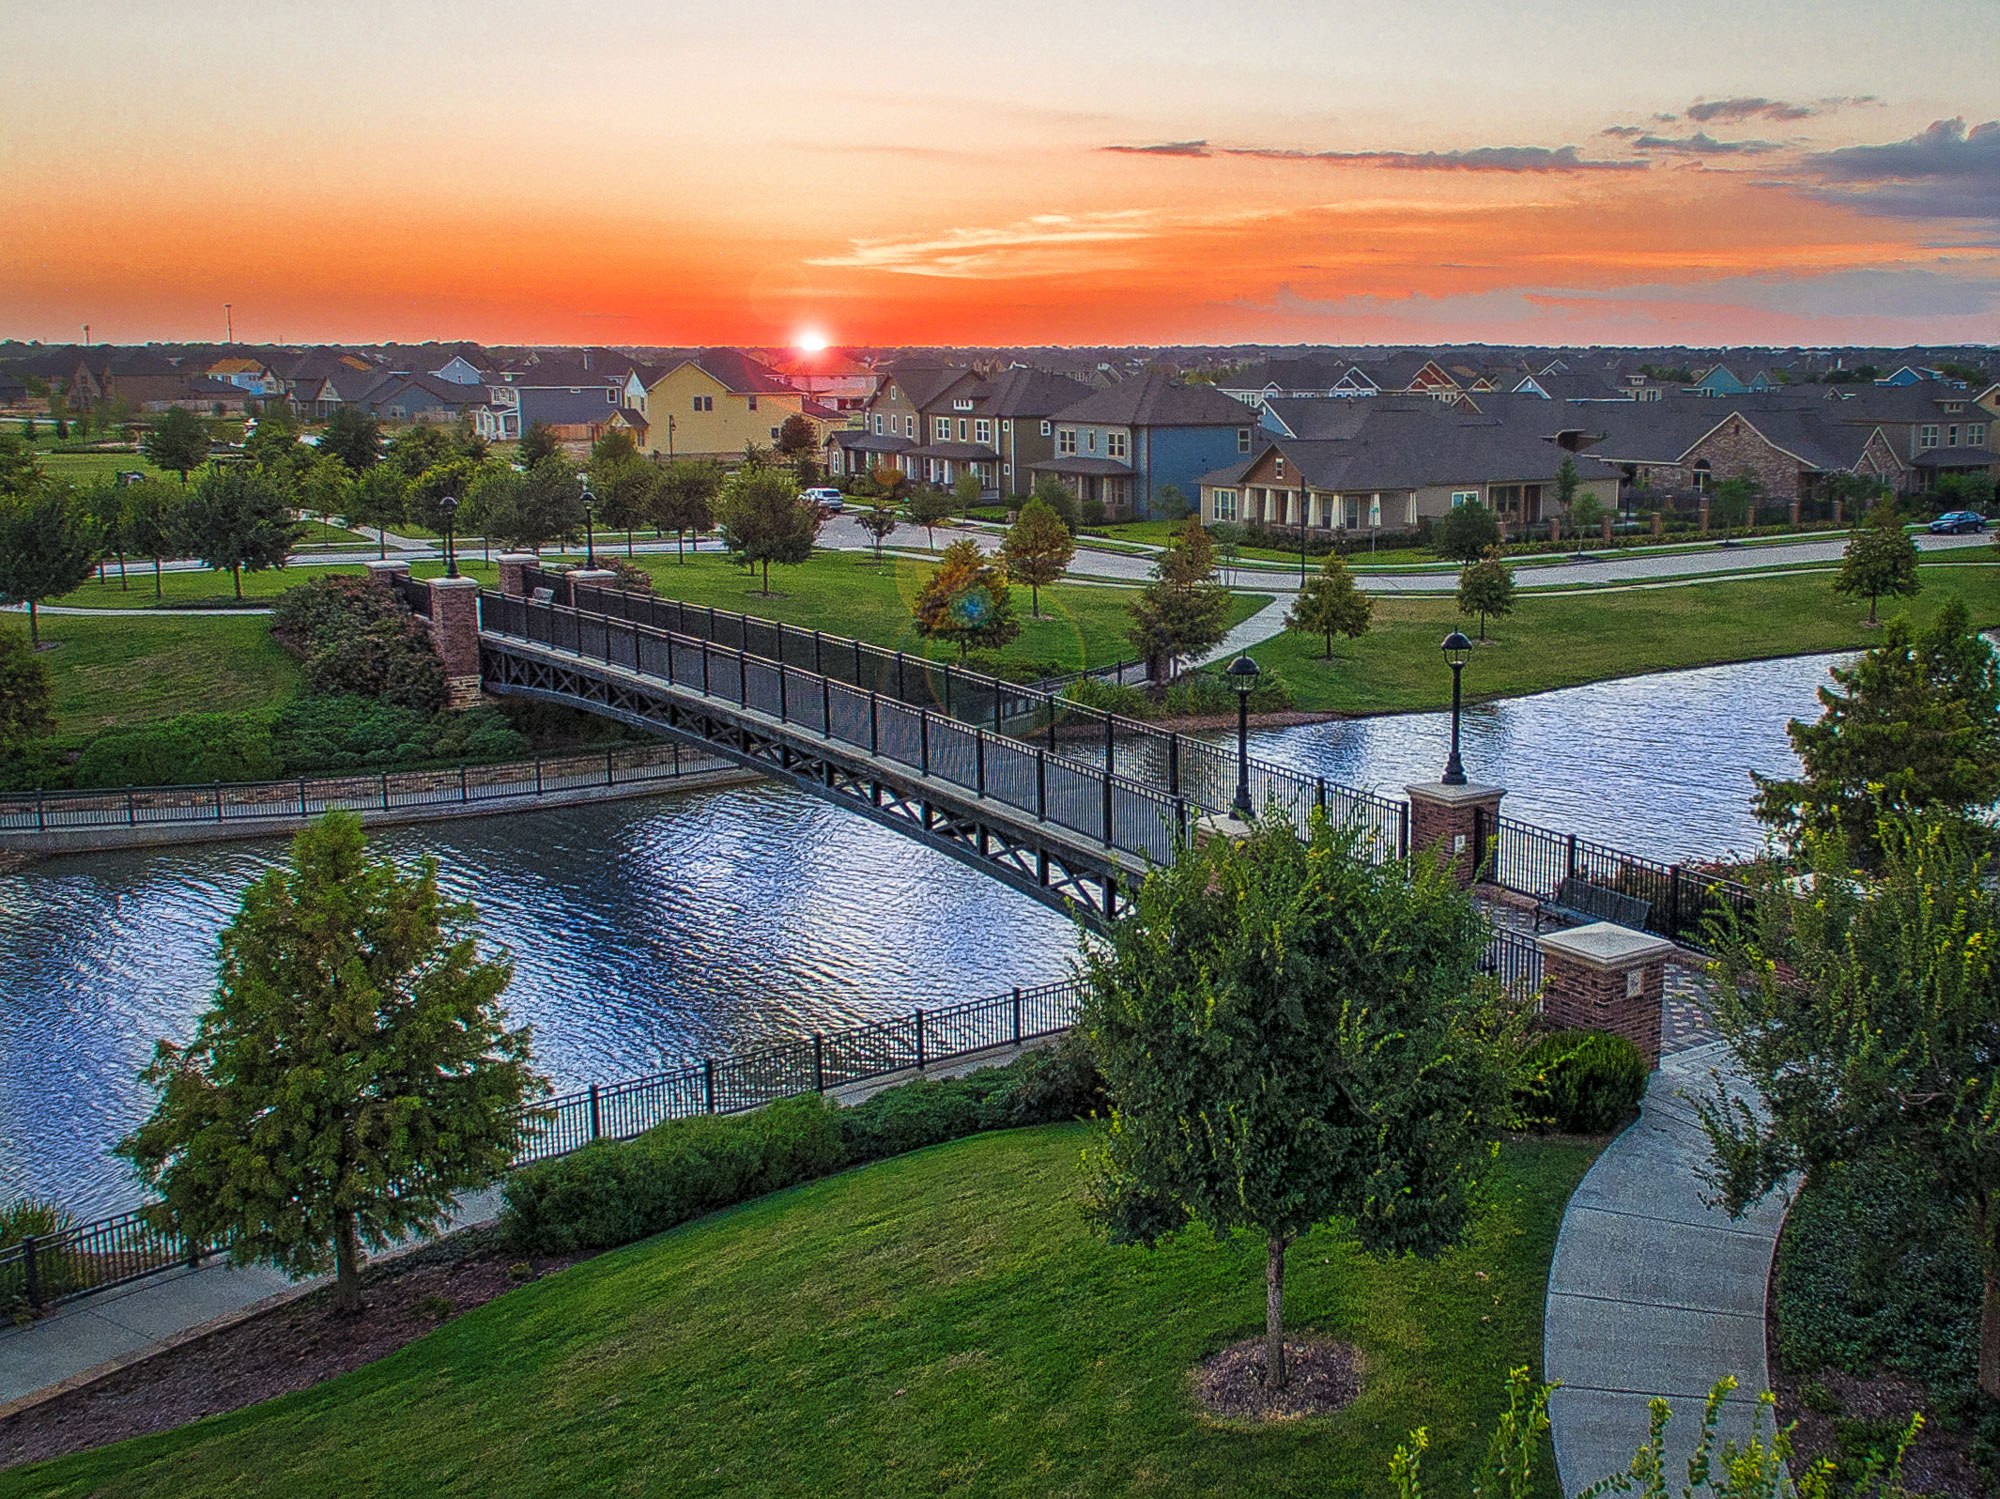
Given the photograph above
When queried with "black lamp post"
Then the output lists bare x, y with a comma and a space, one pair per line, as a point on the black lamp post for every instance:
448, 507
1305, 509
589, 534
1457, 651
1242, 674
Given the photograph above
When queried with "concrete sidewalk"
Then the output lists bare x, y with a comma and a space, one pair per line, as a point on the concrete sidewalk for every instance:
1651, 1292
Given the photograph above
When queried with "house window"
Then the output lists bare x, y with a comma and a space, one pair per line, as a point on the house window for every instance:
1975, 437
961, 429
961, 405
940, 429
1114, 444
774, 434
753, 403
1225, 504
1952, 408
1066, 440
1090, 440
1007, 427
1951, 435
982, 431
1354, 512
610, 397
1927, 435
704, 403
1242, 439
1047, 427
1464, 497
878, 424
1278, 466
1701, 475
909, 426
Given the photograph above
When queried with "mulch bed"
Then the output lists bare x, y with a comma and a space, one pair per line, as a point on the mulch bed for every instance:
1939, 1462
287, 1348
1323, 1375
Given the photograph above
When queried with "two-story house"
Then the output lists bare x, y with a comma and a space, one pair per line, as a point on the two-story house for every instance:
1121, 446
716, 403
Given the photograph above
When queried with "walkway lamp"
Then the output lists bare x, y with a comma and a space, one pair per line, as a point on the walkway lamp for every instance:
1457, 651
448, 508
1242, 674
589, 519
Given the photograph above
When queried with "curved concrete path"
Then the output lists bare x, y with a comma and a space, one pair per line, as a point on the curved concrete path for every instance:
1652, 1293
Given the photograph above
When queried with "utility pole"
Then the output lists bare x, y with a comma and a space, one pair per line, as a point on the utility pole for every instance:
229, 317
86, 335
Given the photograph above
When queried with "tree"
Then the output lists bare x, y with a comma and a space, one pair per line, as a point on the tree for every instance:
1486, 587
276, 440
48, 544
967, 601
1059, 497
352, 1075
238, 518
686, 497
27, 697
965, 491
1586, 513
537, 443
1913, 726
1735, 502
20, 469
890, 481
1183, 611
551, 503
1038, 550
1291, 1034
1880, 558
1567, 484
1331, 605
765, 520
377, 498
798, 440
417, 448
1172, 504
625, 493
931, 508
353, 437
1864, 1016
613, 445
451, 477
154, 522
879, 521
177, 441
1465, 533
104, 503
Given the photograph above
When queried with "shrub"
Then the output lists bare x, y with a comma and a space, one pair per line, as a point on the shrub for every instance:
189, 750
314, 735
1110, 697
1584, 1082
1093, 512
1206, 693
631, 577
358, 637
56, 1274
1056, 1083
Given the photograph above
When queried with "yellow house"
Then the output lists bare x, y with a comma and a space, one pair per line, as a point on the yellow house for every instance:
712, 405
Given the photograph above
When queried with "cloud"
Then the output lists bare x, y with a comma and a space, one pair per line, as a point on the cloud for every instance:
1476, 159
1623, 132
1731, 110
1164, 148
1701, 143
1033, 246
1944, 171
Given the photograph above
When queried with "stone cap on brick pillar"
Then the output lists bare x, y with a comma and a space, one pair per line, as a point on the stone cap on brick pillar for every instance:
384, 571
1471, 794
1605, 947
594, 576
514, 572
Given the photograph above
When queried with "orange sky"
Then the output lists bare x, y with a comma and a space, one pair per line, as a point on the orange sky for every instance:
936, 173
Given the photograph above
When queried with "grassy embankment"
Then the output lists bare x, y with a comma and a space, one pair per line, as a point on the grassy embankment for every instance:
945, 1322
124, 670
1566, 640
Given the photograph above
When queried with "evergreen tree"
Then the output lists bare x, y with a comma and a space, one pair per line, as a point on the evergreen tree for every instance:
352, 1076
1465, 533
764, 520
1486, 587
1038, 550
1183, 611
236, 517
1331, 605
27, 698
354, 438
48, 544
1880, 558
177, 441
1913, 726
967, 601
537, 443
1291, 1034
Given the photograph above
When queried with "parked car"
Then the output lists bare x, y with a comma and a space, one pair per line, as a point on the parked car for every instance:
1957, 522
829, 501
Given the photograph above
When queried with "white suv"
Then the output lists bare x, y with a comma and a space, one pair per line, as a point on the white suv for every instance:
832, 501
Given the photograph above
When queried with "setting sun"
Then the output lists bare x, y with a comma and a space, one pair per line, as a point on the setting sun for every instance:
810, 341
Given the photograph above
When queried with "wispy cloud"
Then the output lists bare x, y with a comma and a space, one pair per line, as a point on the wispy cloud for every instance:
1622, 132
1032, 246
1701, 143
1474, 159
1165, 148
1944, 171
1707, 111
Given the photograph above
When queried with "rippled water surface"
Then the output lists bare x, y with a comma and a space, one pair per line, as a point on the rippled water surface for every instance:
644, 932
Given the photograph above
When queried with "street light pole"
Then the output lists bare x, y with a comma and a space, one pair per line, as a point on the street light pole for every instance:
1457, 651
589, 532
1305, 509
449, 506
1242, 674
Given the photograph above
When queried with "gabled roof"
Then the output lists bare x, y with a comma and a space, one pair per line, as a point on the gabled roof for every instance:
1023, 391
922, 384
1401, 445
1156, 400
738, 373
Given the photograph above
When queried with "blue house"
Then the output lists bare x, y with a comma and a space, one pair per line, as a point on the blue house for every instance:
1722, 381
1123, 445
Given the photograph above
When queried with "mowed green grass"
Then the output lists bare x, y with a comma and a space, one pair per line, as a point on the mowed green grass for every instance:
124, 670
88, 469
206, 586
942, 1323
1570, 639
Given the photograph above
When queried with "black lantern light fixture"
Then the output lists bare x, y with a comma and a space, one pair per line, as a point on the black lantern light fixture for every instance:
1242, 674
589, 520
448, 508
1457, 651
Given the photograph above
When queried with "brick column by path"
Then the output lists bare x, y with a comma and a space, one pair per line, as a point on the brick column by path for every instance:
1555, 528
1604, 977
1659, 523
1704, 515
385, 573
514, 572
1446, 819
455, 636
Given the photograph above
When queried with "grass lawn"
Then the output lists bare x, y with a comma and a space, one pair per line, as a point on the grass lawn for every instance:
319, 533
123, 670
1566, 640
945, 1322
88, 469
205, 585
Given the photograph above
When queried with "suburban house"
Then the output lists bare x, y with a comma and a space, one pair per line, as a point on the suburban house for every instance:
831, 378
1391, 464
909, 422
1123, 445
318, 382
1308, 376
424, 398
1720, 380
716, 403
1787, 443
253, 375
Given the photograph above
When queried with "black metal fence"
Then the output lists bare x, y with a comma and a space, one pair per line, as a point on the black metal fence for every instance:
415, 592
384, 791
1683, 901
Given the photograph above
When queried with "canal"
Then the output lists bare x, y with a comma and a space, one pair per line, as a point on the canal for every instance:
646, 932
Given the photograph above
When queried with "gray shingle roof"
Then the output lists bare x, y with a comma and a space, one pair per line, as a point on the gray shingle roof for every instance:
1156, 400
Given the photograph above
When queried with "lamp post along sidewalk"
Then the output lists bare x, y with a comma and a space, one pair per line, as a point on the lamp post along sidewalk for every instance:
1457, 651
448, 507
1454, 818
1242, 674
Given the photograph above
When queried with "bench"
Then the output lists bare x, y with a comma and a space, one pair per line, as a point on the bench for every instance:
1580, 901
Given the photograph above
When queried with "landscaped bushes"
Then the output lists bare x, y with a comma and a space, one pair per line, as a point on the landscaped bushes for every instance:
1583, 1082
320, 735
190, 750
615, 1192
1199, 694
357, 637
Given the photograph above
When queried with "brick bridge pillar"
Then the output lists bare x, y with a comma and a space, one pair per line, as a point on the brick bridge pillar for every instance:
455, 636
514, 572
1458, 822
1837, 508
386, 573
1555, 528
1659, 523
595, 577
1603, 977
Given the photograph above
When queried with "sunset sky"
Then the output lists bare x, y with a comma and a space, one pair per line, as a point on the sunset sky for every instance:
1022, 172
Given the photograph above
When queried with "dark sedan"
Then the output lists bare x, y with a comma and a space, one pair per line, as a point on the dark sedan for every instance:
1958, 522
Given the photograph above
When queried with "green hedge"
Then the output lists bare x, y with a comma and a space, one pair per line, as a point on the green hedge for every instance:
1582, 1082
615, 1192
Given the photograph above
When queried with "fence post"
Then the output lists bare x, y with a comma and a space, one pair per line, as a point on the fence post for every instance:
677, 757
818, 670
132, 807
41, 818
303, 813
900, 695
1572, 857
1110, 744
596, 1129
217, 792
1107, 807
819, 1061
1017, 1014
34, 1276
464, 790
538, 775
708, 1072
857, 667
947, 690
1173, 764
784, 711
1049, 702
874, 722
1403, 832
825, 704
1041, 785
920, 1038
704, 662
1674, 903
979, 759
1319, 792
924, 738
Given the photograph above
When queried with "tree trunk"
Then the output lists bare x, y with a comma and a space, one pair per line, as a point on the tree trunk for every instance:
236, 577
681, 546
347, 1266
1482, 624
767, 577
1274, 1314
1035, 600
34, 630
156, 578
1871, 608
382, 541
628, 543
122, 584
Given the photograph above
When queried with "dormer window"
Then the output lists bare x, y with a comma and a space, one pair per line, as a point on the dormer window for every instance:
961, 405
